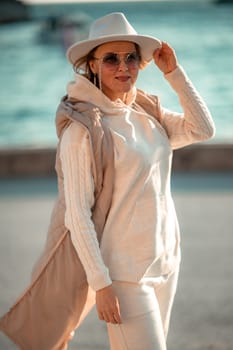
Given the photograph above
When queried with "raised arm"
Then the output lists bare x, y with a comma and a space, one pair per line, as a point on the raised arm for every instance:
195, 123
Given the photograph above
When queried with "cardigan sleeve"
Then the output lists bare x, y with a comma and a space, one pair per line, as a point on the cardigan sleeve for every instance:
79, 197
195, 123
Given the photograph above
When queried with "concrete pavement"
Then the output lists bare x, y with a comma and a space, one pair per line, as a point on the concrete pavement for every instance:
202, 317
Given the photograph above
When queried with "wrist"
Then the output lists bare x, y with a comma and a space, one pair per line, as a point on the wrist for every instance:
170, 70
104, 288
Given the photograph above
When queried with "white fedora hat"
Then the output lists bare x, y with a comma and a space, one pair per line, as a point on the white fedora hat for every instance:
113, 27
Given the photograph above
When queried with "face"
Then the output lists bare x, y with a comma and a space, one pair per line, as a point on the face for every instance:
117, 65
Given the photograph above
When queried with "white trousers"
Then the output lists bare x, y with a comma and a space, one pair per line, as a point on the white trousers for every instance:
145, 311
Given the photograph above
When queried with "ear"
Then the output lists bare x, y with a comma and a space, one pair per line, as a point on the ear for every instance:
93, 66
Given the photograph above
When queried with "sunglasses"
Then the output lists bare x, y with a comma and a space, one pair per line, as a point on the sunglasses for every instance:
113, 60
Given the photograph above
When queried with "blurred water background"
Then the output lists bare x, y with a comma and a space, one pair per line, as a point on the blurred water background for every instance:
34, 71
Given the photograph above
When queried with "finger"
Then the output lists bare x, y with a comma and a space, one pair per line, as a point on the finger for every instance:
101, 316
165, 45
117, 317
117, 312
112, 317
109, 318
169, 50
156, 53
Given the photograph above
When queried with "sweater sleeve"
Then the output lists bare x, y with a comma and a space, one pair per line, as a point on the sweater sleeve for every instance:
195, 123
79, 198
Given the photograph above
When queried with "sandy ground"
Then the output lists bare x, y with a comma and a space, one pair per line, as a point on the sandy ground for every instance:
202, 317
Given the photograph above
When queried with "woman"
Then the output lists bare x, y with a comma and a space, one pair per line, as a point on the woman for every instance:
136, 267
125, 231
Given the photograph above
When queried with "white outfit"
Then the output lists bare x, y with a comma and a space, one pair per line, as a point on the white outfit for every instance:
141, 237
145, 311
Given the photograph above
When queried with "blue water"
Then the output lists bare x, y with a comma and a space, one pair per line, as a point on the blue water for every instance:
34, 74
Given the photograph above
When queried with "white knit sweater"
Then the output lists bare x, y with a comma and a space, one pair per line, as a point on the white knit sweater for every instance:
141, 236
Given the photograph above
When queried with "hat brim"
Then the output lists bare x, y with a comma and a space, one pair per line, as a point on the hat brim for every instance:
147, 46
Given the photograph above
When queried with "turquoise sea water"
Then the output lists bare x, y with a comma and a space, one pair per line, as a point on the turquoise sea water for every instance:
34, 74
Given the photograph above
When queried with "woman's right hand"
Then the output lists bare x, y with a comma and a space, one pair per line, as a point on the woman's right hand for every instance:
165, 58
107, 305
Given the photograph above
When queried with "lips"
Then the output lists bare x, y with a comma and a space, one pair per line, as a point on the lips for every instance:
123, 79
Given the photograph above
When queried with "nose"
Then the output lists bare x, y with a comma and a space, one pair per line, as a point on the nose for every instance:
123, 66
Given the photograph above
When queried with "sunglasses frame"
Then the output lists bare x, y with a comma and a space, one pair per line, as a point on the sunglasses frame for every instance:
112, 60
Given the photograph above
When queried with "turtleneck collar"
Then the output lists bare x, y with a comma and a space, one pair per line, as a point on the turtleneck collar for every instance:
82, 89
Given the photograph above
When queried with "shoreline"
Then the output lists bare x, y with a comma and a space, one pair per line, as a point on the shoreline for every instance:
31, 162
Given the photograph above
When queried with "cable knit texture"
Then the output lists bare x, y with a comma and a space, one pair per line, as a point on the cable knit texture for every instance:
197, 123
141, 236
79, 190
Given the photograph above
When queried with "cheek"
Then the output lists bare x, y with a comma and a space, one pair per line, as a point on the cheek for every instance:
135, 75
106, 77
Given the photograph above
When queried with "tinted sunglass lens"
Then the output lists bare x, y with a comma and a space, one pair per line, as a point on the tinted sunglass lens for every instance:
132, 57
111, 59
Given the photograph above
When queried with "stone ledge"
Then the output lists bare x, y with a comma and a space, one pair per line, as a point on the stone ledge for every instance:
40, 162
204, 157
27, 162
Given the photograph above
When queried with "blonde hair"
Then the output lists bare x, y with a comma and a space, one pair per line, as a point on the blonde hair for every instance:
85, 62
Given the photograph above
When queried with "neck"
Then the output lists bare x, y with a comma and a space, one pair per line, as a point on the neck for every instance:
125, 97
